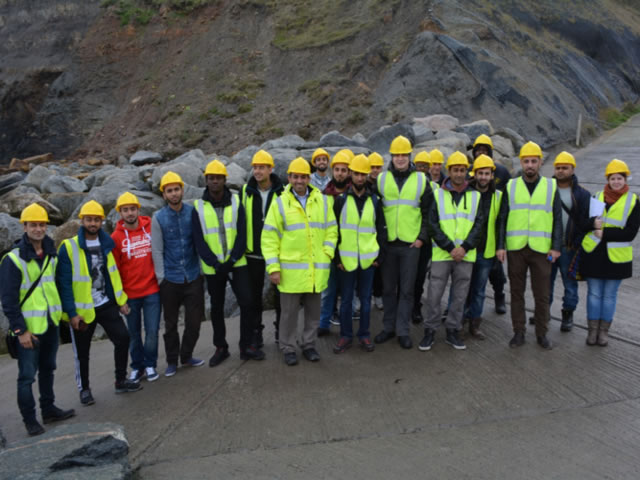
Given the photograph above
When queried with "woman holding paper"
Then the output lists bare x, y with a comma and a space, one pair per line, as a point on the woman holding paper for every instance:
607, 253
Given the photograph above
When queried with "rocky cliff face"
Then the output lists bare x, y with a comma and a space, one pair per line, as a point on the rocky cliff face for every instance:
74, 80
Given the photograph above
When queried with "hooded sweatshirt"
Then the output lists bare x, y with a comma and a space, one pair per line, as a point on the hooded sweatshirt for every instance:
132, 254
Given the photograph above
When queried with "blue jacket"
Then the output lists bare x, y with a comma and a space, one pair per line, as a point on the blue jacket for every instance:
64, 275
11, 276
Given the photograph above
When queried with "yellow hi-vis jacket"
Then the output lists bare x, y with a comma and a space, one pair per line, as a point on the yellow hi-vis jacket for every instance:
300, 243
530, 220
211, 231
615, 217
494, 209
358, 239
401, 209
456, 221
81, 280
44, 300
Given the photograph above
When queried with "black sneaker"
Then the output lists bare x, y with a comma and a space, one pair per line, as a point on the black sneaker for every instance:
55, 414
125, 386
311, 354
501, 307
544, 342
416, 317
252, 353
384, 336
33, 428
291, 359
453, 339
517, 340
258, 340
405, 342
86, 398
427, 341
222, 353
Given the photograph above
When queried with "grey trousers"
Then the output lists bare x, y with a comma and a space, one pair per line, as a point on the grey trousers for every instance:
460, 273
290, 306
399, 279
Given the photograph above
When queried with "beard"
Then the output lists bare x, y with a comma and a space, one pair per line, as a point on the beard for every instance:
340, 184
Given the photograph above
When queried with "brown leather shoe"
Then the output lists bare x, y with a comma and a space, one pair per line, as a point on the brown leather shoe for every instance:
474, 329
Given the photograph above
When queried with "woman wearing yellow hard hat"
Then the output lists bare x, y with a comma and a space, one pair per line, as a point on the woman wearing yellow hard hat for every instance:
607, 254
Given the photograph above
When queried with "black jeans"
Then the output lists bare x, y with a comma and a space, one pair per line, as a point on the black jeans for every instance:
421, 275
257, 267
173, 295
217, 286
497, 278
108, 316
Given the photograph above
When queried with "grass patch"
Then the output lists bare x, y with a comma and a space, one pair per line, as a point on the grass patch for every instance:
141, 12
612, 117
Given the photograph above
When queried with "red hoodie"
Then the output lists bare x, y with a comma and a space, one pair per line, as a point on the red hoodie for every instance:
133, 257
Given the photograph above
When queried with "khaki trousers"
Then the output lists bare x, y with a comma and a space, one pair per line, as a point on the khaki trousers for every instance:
290, 305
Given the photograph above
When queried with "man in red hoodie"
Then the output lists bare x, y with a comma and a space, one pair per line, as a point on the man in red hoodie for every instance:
132, 254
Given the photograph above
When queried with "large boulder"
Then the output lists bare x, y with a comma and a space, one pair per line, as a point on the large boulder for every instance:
446, 145
143, 157
66, 230
61, 184
190, 172
38, 175
236, 176
106, 195
10, 231
65, 202
10, 181
380, 140
336, 139
517, 139
503, 146
243, 157
422, 133
13, 204
463, 137
193, 157
95, 178
474, 129
438, 122
288, 141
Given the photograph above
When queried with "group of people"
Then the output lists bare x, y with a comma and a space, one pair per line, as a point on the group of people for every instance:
347, 230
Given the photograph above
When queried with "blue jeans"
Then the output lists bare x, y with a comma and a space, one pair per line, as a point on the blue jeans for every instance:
570, 298
329, 297
146, 355
40, 360
364, 280
601, 298
477, 287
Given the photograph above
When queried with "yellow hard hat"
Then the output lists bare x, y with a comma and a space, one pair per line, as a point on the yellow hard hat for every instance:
360, 164
564, 158
376, 160
127, 198
341, 157
91, 208
261, 157
400, 146
347, 152
436, 156
617, 166
299, 165
34, 213
457, 158
216, 167
483, 161
530, 149
422, 157
319, 152
169, 178
483, 140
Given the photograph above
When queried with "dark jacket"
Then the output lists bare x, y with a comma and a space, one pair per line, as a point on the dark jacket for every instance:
440, 238
579, 222
485, 205
11, 278
64, 272
597, 264
240, 244
556, 232
381, 229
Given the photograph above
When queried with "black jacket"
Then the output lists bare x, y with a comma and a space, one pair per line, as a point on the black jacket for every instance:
255, 216
579, 222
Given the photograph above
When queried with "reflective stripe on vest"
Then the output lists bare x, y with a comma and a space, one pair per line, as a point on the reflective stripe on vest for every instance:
490, 246
530, 220
402, 208
456, 221
358, 239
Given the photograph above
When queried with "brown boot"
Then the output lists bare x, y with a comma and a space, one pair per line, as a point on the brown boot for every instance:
603, 333
592, 337
474, 328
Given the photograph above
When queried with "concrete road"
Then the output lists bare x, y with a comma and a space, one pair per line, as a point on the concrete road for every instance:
487, 412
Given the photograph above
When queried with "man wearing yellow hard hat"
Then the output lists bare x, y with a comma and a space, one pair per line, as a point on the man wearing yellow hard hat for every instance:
91, 291
436, 160
132, 253
32, 305
177, 268
320, 161
530, 234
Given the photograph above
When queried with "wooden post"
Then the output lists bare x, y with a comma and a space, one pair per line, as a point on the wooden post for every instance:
579, 130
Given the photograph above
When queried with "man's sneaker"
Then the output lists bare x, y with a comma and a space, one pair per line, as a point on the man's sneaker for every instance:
377, 301
544, 342
222, 353
501, 307
311, 354
367, 345
453, 339
135, 375
517, 340
33, 428
252, 353
55, 414
171, 370
151, 374
335, 320
384, 336
427, 341
125, 386
405, 342
86, 398
416, 317
322, 332
193, 362
258, 340
290, 359
342, 345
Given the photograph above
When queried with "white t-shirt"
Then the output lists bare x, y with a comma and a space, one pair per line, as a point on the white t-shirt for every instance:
98, 283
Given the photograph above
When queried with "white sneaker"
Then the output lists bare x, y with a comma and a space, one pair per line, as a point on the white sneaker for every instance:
378, 303
135, 376
151, 374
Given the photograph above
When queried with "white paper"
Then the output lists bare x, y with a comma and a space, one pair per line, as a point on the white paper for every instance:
596, 207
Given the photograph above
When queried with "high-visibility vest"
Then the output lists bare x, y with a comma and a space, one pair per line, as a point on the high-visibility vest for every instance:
530, 220
490, 246
358, 240
247, 203
44, 300
615, 217
81, 280
211, 231
401, 209
456, 221
300, 242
